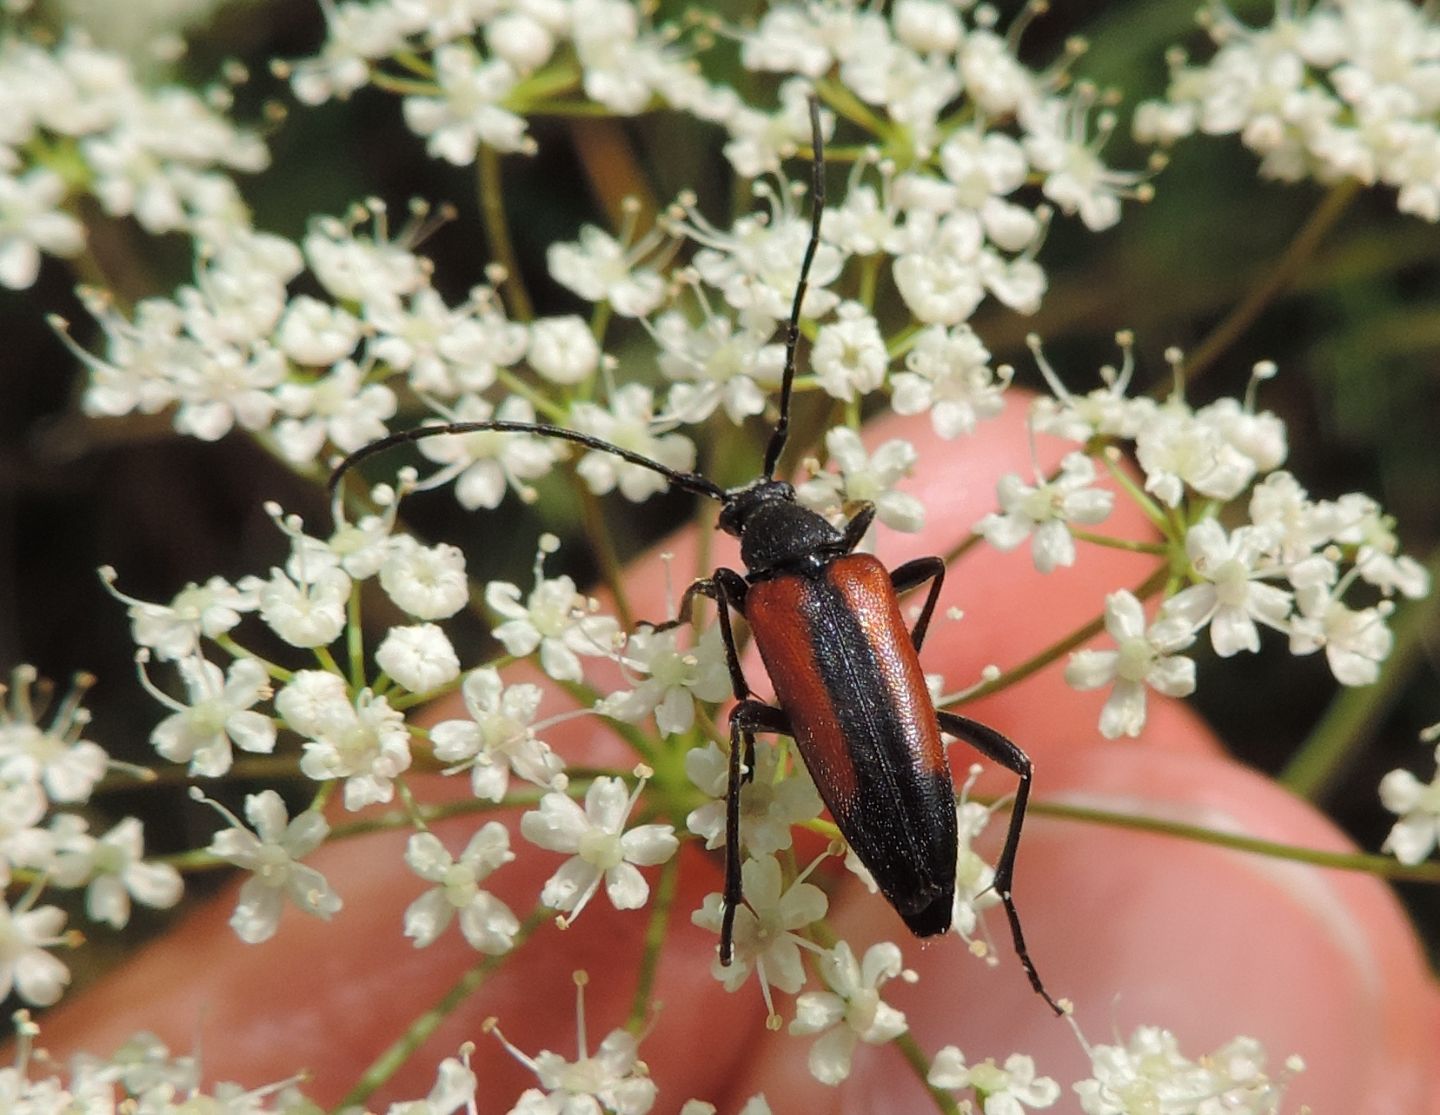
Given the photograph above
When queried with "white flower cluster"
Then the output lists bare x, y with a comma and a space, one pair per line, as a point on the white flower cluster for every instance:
142, 1075
953, 209
1340, 89
77, 120
43, 766
1294, 564
1149, 1073
1415, 835
357, 734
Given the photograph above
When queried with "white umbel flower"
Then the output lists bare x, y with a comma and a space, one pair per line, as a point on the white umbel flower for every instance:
851, 1011
487, 464
600, 268
487, 923
31, 222
272, 852
419, 657
219, 714
365, 742
601, 850
862, 476
113, 871
1231, 597
469, 110
498, 739
1150, 1073
1142, 657
612, 1079
454, 1088
563, 350
173, 630
303, 613
1356, 642
766, 927
1418, 805
673, 680
1007, 1090
770, 805
555, 619
25, 967
1045, 510
849, 357
629, 423
427, 581
948, 373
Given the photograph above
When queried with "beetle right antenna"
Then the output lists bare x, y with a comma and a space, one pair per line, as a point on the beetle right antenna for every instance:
792, 330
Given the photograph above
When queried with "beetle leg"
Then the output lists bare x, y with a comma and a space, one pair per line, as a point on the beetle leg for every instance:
993, 745
727, 588
855, 529
746, 718
913, 574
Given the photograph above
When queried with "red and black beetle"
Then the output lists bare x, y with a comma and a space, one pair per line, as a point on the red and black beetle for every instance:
845, 668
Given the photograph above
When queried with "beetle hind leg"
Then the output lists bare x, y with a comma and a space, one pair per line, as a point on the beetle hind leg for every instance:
747, 718
993, 745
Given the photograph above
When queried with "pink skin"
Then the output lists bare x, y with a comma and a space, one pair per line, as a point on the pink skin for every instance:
1134, 928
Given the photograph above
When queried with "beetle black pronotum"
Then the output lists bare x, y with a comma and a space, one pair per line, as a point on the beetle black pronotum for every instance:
845, 668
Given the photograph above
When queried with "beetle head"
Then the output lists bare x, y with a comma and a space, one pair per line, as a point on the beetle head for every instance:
775, 532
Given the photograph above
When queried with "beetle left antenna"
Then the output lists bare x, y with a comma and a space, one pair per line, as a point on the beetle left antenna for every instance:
792, 330
689, 481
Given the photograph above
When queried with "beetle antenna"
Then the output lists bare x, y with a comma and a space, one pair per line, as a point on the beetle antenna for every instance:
792, 330
689, 481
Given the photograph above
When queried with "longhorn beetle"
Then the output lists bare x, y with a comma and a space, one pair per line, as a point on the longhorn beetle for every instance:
846, 672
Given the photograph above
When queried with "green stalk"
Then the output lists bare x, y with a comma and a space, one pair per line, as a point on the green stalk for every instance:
1146, 588
1276, 279
390, 1061
491, 196
1365, 862
915, 1057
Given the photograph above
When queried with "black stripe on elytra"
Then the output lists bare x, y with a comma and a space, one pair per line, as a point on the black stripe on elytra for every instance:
902, 823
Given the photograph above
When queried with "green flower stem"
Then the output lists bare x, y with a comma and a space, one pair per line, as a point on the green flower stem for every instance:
403, 86
490, 189
1163, 519
915, 1057
543, 85
1381, 866
1275, 279
836, 96
655, 934
415, 63
869, 279
602, 548
355, 639
410, 700
1148, 587
327, 660
1131, 545
389, 1062
547, 408
197, 859
276, 671
253, 768
1316, 768
633, 736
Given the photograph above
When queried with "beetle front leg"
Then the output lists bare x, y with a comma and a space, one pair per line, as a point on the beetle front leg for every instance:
913, 574
727, 588
993, 745
746, 718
